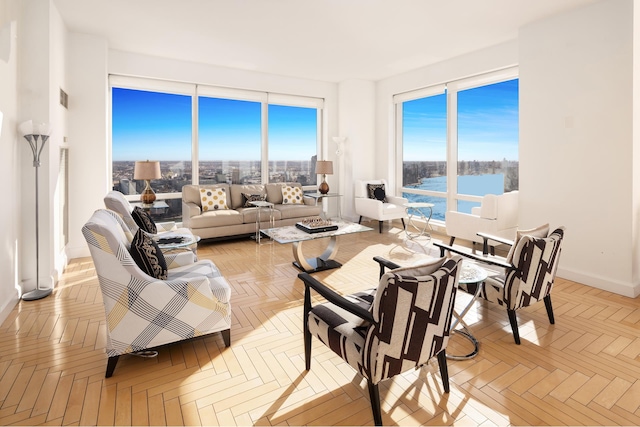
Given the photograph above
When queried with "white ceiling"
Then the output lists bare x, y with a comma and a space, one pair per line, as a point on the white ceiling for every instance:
328, 40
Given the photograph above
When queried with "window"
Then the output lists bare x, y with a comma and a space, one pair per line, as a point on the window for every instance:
459, 141
206, 134
292, 144
229, 141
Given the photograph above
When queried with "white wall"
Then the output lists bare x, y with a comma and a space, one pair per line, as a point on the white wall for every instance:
9, 143
576, 140
356, 120
88, 134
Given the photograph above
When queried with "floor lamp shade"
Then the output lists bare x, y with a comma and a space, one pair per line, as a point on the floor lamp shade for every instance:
36, 134
324, 168
147, 170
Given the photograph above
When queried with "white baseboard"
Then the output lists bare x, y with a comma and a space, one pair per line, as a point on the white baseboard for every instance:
8, 306
606, 284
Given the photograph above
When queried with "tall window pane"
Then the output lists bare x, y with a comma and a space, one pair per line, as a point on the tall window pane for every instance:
487, 141
151, 126
293, 134
229, 139
424, 150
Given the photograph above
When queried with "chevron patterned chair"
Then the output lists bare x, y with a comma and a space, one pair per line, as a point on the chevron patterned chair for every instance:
143, 312
386, 331
529, 273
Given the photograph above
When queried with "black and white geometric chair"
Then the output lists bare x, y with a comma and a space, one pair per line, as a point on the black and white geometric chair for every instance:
386, 331
529, 274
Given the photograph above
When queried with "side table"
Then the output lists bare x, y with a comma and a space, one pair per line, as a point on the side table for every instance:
415, 212
259, 204
470, 280
320, 196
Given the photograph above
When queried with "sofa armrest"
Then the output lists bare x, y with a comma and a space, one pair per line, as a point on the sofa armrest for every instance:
189, 210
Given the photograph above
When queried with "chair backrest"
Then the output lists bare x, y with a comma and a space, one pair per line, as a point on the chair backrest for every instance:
503, 208
360, 189
413, 316
109, 242
535, 261
115, 201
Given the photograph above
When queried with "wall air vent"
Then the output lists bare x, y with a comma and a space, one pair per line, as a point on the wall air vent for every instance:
64, 99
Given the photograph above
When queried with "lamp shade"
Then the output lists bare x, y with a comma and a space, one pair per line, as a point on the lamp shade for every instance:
147, 170
324, 167
31, 127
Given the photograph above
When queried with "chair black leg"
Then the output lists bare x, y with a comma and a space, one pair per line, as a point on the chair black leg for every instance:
111, 366
380, 226
444, 370
305, 328
360, 220
514, 325
547, 303
403, 226
374, 396
451, 240
226, 337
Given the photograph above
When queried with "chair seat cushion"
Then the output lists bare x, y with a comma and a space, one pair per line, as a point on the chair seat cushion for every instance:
218, 284
341, 331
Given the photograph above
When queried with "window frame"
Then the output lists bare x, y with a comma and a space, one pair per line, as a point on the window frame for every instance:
195, 90
451, 89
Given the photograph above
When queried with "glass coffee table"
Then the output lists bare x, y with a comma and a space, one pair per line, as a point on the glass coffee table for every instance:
326, 261
169, 241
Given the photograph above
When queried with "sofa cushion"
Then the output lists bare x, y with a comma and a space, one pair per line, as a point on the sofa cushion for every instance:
274, 191
218, 218
292, 195
148, 256
236, 191
213, 199
298, 211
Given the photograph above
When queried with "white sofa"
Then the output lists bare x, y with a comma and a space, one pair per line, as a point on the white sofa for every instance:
239, 220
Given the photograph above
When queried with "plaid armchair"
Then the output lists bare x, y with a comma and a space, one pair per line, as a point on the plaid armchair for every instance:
386, 331
143, 312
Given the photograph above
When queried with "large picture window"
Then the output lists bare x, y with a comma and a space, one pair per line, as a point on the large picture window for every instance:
205, 134
459, 142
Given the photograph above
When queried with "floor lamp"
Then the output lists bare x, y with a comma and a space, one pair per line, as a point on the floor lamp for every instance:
35, 132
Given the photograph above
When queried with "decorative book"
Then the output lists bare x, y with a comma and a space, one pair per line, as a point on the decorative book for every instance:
316, 225
169, 240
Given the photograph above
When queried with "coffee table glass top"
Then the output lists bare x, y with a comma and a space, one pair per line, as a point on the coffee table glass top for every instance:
175, 240
291, 234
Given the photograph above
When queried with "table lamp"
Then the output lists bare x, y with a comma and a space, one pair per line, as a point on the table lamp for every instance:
324, 168
147, 170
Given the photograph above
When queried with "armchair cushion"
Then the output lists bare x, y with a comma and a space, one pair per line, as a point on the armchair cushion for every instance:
144, 220
377, 192
540, 232
148, 256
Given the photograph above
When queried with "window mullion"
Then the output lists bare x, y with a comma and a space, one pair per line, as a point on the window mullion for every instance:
452, 149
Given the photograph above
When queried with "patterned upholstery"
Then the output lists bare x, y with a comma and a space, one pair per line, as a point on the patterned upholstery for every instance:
527, 279
386, 331
530, 279
143, 312
115, 201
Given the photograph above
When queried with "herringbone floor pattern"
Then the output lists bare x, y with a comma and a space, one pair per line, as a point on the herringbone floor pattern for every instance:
584, 370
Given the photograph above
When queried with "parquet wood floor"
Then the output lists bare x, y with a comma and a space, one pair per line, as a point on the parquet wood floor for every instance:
584, 370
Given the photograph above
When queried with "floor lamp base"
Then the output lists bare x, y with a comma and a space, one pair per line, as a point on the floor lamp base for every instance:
36, 294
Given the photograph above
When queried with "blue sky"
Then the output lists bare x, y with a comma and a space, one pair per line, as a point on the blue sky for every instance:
157, 126
487, 124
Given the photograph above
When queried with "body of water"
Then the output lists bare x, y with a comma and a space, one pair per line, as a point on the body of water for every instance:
476, 185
